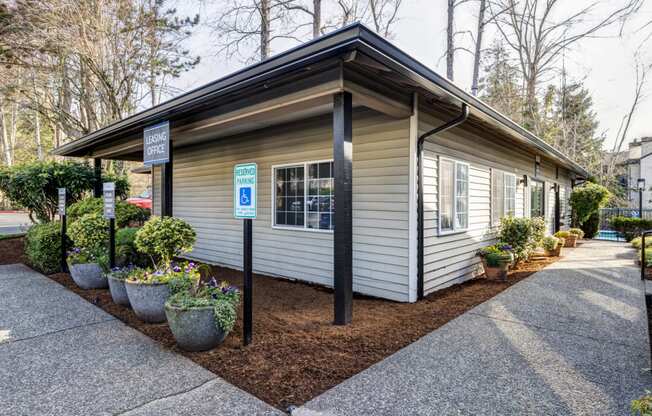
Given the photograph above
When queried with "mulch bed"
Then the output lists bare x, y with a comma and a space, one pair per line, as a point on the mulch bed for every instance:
296, 352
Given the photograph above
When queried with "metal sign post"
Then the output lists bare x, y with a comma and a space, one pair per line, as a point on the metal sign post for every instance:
245, 178
62, 215
109, 213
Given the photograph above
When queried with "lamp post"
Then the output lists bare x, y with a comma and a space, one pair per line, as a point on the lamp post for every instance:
641, 187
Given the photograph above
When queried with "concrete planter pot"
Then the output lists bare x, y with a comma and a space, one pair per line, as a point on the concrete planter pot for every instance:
497, 272
118, 291
88, 275
570, 241
148, 300
556, 252
194, 329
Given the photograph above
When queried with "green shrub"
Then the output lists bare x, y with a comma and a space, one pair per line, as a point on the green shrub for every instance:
636, 242
125, 248
576, 231
643, 405
43, 247
591, 226
34, 186
588, 199
562, 234
162, 238
90, 232
523, 234
550, 243
125, 213
630, 227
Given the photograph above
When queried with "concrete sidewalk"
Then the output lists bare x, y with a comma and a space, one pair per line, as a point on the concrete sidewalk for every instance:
570, 340
60, 355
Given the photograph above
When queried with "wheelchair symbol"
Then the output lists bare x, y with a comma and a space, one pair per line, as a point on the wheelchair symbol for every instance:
245, 196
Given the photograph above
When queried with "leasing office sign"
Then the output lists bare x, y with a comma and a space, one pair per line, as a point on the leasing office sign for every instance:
156, 144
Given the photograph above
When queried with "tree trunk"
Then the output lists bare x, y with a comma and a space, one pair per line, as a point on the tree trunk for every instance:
265, 29
4, 137
37, 135
316, 18
450, 41
478, 48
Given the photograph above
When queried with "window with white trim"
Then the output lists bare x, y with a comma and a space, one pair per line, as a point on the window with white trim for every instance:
303, 196
503, 195
453, 195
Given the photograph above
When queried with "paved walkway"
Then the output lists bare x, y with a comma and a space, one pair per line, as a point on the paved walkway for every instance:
570, 340
60, 355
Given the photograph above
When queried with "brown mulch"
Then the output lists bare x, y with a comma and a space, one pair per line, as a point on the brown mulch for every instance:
296, 352
12, 250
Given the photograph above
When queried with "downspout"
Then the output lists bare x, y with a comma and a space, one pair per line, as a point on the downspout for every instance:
420, 223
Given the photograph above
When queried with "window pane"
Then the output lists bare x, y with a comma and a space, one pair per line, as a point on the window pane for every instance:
313, 220
289, 196
324, 221
447, 176
536, 199
497, 197
461, 196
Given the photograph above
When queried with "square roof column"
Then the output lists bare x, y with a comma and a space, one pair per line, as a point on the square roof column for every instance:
166, 185
343, 224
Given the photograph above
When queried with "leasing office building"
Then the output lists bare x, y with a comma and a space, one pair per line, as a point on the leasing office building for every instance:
341, 129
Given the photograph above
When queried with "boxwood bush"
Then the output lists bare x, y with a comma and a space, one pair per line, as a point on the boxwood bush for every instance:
125, 247
162, 238
43, 247
125, 213
90, 232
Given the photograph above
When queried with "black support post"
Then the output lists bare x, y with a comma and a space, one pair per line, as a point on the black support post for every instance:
166, 187
343, 233
247, 327
112, 242
557, 208
640, 203
64, 249
97, 189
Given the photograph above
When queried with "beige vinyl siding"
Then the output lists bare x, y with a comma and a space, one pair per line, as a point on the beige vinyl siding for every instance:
451, 258
202, 195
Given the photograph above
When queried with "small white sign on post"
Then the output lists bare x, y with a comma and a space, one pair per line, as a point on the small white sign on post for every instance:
109, 200
62, 202
245, 178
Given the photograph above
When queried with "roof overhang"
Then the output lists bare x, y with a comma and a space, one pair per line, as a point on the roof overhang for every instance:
323, 59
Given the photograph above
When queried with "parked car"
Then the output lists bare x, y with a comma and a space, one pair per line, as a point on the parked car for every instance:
143, 200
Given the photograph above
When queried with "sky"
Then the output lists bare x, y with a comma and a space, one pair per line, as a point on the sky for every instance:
605, 64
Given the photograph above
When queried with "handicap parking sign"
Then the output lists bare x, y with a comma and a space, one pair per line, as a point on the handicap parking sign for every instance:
245, 177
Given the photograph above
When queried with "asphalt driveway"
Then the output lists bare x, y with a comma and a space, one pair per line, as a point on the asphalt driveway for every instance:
60, 355
570, 340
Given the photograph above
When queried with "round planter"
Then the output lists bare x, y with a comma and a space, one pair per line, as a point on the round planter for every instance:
118, 291
570, 241
88, 276
148, 300
194, 329
498, 272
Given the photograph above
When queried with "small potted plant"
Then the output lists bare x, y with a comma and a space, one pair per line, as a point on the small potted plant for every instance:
496, 260
161, 238
578, 233
570, 240
116, 278
87, 268
552, 246
202, 315
148, 290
